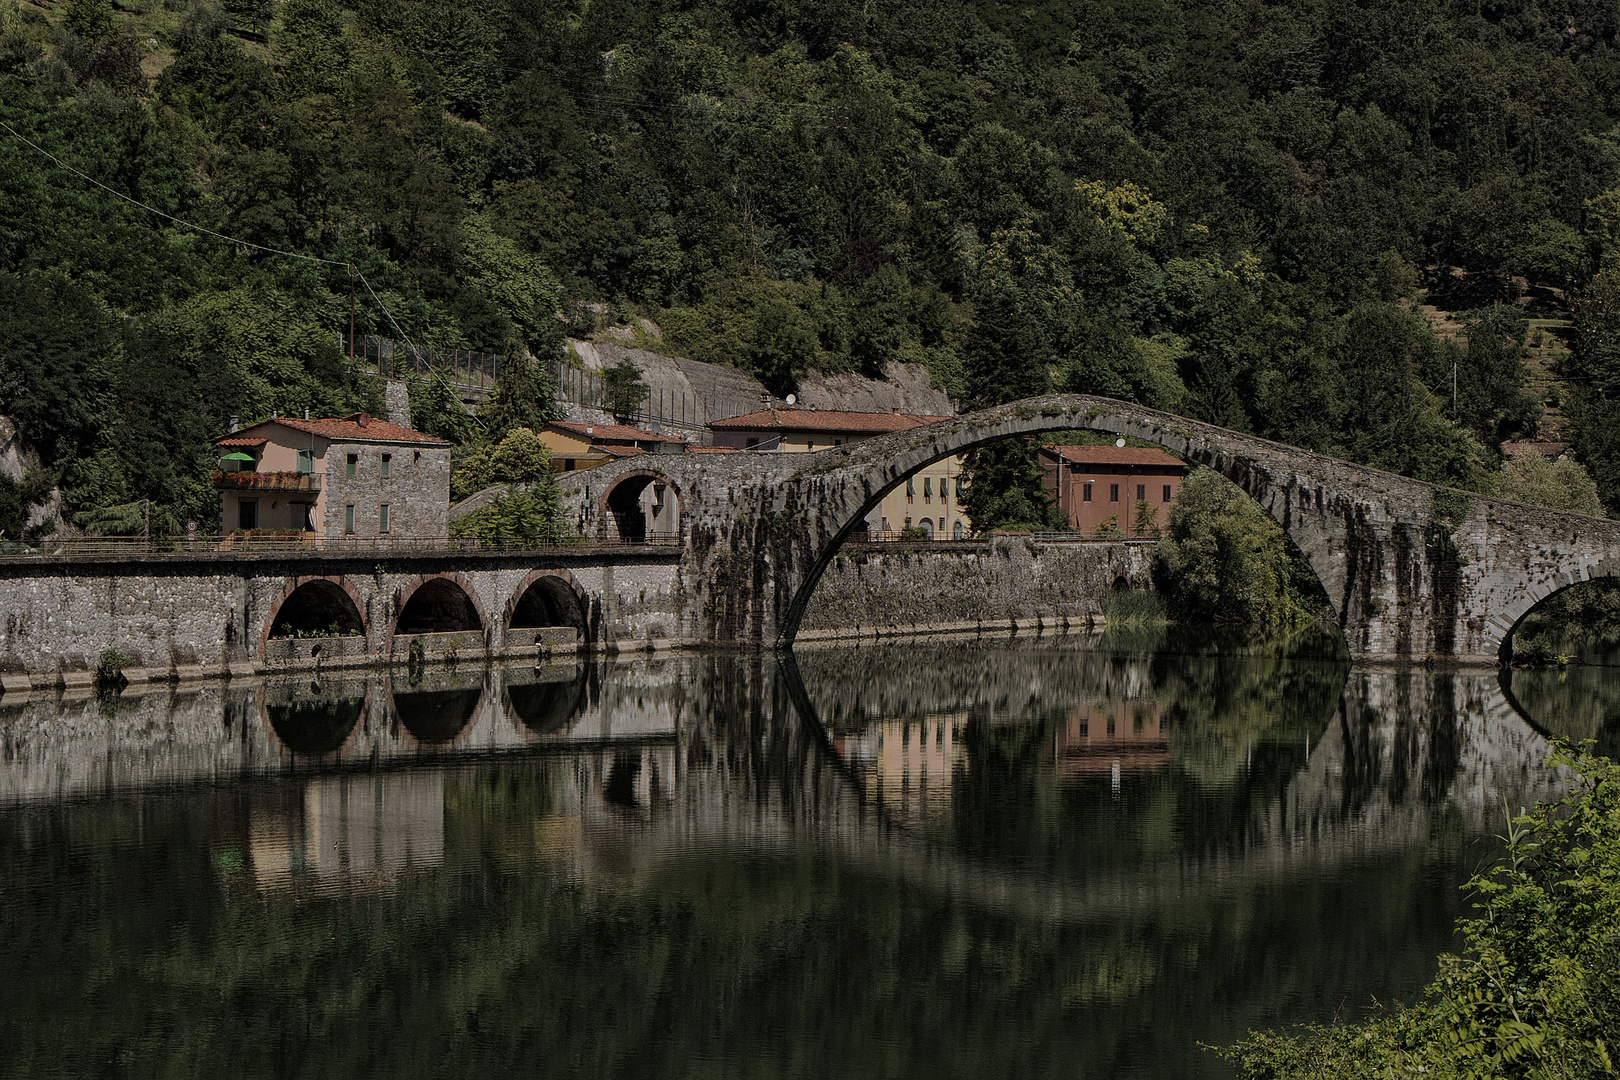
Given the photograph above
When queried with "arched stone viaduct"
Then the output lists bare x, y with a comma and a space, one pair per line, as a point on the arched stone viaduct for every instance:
1412, 570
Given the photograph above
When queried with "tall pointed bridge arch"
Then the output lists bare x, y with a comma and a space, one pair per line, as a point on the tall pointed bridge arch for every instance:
1413, 570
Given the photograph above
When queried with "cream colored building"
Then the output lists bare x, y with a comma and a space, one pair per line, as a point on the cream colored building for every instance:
929, 500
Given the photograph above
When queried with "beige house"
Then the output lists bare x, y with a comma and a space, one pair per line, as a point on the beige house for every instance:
928, 500
354, 476
580, 445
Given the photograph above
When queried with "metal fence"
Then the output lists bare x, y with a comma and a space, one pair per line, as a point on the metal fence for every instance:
473, 372
321, 548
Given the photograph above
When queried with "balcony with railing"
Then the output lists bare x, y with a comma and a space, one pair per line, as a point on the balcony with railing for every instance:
267, 481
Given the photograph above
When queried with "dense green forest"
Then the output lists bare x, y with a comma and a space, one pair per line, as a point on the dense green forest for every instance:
1227, 210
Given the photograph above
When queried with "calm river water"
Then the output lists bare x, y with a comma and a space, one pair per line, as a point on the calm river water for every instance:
1068, 858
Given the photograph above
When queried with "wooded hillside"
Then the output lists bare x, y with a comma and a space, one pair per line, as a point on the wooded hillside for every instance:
1224, 210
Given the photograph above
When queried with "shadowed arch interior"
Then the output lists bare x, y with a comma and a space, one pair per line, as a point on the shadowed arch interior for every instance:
548, 601
439, 606
317, 607
640, 507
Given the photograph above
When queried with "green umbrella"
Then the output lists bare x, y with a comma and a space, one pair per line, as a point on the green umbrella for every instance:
238, 456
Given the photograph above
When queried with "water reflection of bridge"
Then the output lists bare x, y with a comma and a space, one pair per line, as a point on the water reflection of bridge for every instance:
869, 754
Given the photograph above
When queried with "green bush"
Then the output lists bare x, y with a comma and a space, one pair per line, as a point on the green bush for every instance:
1536, 993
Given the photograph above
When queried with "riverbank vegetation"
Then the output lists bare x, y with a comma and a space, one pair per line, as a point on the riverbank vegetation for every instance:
1535, 993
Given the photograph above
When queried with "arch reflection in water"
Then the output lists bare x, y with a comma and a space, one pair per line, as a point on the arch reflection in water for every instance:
436, 717
551, 704
315, 726
1088, 721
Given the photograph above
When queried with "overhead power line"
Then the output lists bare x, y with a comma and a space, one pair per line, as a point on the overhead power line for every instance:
349, 266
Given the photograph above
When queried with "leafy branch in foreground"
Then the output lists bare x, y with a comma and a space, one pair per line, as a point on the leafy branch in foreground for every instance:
1537, 992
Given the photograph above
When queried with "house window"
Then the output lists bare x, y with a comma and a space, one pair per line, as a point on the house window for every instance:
928, 528
568, 464
382, 517
1141, 493
928, 489
1085, 493
907, 525
957, 532
247, 514
958, 489
387, 468
1113, 493
1167, 493
348, 518
910, 488
306, 462
811, 444
884, 527
348, 469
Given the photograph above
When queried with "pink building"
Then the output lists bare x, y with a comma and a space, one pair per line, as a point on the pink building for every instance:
1101, 488
354, 476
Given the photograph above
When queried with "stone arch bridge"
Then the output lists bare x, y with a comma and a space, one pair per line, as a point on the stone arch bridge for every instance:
1412, 570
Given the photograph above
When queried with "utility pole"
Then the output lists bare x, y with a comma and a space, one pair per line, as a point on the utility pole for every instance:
351, 312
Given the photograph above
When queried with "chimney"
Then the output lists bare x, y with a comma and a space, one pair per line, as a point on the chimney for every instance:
306, 412
365, 419
895, 410
236, 422
590, 429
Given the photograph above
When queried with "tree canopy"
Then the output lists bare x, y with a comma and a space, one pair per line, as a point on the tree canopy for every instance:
1223, 212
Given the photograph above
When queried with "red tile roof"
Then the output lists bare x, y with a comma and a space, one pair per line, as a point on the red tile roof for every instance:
356, 427
1114, 455
239, 440
612, 432
617, 451
712, 450
824, 420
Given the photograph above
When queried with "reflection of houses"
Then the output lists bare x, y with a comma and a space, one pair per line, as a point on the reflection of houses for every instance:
928, 500
906, 765
585, 445
355, 476
362, 831
1112, 738
1104, 488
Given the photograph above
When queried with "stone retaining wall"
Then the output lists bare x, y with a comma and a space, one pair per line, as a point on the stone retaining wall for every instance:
1009, 583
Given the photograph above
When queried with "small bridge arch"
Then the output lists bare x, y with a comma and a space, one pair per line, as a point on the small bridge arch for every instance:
550, 596
314, 603
438, 603
639, 505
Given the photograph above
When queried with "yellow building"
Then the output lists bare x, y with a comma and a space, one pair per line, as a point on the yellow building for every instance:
929, 500
581, 445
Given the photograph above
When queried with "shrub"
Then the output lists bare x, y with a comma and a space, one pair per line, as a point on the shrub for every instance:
1537, 991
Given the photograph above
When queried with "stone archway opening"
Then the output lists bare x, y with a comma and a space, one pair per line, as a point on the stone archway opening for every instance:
319, 608
1579, 623
641, 508
439, 606
549, 601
